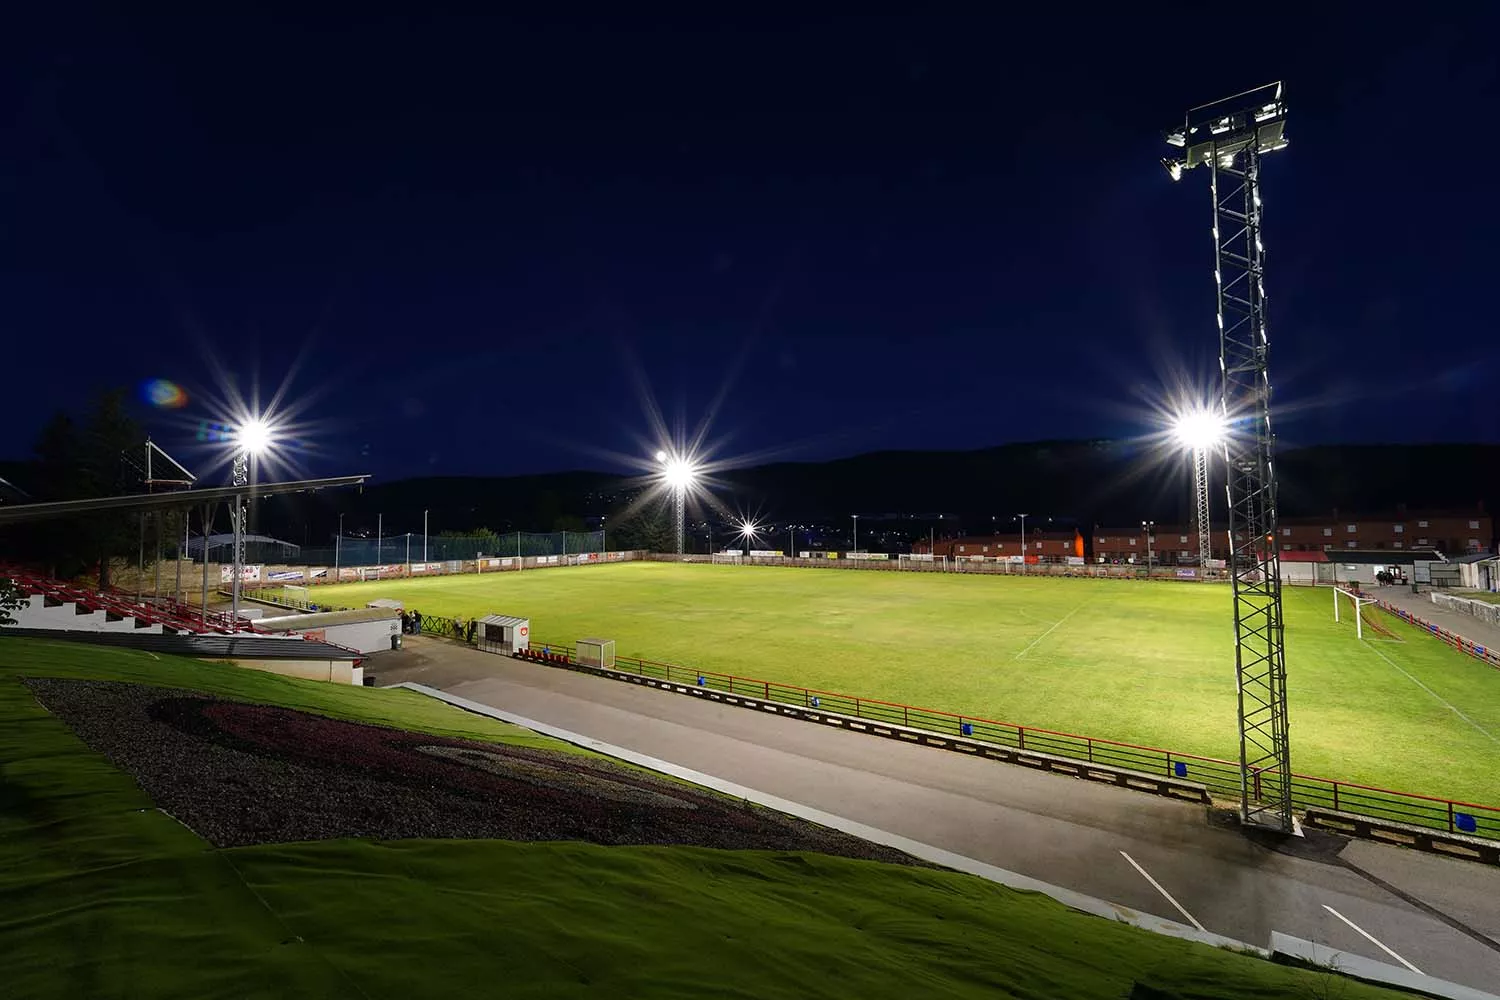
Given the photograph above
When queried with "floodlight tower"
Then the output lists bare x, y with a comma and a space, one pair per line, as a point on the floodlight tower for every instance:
1229, 137
678, 474
252, 438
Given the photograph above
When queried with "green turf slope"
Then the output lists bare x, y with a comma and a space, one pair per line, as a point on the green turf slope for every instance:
1149, 663
102, 896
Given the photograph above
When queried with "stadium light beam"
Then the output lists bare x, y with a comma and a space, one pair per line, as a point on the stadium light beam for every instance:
748, 532
1200, 429
679, 474
253, 438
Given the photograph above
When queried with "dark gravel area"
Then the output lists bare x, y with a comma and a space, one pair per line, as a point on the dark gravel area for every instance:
241, 774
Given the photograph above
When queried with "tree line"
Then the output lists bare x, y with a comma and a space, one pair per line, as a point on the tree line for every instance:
77, 458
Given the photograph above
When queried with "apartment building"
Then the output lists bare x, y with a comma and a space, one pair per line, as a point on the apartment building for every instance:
1453, 533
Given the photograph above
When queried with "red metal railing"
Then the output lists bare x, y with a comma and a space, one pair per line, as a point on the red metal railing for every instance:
1221, 777
1485, 654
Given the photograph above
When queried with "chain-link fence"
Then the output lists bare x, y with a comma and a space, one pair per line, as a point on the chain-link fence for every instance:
443, 548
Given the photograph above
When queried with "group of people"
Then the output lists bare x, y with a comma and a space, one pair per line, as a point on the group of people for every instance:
411, 624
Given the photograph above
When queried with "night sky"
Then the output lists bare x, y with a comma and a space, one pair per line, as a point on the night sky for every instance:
480, 246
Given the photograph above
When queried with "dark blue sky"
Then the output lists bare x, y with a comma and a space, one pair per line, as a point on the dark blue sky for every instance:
868, 232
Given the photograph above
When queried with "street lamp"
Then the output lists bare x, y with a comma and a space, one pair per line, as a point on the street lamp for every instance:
1199, 430
678, 473
1149, 527
252, 439
856, 532
1022, 518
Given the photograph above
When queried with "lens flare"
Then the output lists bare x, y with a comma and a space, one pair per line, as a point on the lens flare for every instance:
164, 394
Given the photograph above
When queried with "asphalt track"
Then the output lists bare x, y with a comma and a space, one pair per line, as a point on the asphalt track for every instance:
1172, 859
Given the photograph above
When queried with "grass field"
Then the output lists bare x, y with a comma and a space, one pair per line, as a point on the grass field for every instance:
1142, 662
105, 896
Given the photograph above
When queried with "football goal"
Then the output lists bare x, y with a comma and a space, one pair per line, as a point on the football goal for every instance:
922, 561
295, 596
1353, 604
729, 558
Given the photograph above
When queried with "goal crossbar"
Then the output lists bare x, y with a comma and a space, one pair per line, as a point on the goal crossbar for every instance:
1358, 603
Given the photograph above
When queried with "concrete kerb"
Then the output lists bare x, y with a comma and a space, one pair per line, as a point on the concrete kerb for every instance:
1281, 944
1421, 838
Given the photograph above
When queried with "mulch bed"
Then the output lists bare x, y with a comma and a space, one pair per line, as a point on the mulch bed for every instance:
241, 774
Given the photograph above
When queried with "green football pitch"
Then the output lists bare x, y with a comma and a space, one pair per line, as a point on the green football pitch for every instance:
1148, 663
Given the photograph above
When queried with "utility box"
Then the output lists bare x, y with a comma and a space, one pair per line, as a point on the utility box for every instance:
596, 653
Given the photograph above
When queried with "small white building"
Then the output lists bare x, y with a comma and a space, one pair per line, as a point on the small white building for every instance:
368, 630
1480, 571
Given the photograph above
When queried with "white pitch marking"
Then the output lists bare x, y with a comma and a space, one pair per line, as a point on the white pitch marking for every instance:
1371, 938
1044, 635
1157, 886
1447, 704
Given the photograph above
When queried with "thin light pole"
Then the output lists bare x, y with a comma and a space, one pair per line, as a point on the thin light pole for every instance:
856, 532
337, 541
1149, 526
241, 478
424, 536
204, 606
1022, 518
408, 552
379, 543
178, 589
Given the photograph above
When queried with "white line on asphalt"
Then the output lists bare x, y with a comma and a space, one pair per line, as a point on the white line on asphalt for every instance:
1044, 635
1157, 886
1439, 697
1369, 937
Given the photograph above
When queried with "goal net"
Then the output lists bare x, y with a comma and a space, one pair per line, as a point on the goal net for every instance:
730, 558
922, 561
1351, 604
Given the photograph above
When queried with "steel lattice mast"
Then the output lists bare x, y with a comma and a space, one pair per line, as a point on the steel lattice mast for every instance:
679, 512
1229, 137
1200, 492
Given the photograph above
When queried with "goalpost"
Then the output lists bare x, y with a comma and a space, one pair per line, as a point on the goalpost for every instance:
294, 595
922, 561
1356, 603
729, 558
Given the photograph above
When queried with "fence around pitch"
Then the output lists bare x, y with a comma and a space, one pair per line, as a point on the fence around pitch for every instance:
1485, 654
1221, 777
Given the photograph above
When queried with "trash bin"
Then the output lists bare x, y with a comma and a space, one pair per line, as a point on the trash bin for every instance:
1414, 589
396, 641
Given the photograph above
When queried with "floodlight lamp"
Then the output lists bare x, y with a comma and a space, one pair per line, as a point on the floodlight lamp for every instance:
678, 473
1201, 428
661, 456
748, 529
1174, 168
254, 436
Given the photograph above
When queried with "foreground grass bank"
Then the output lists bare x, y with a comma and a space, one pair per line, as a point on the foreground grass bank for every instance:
1148, 663
106, 897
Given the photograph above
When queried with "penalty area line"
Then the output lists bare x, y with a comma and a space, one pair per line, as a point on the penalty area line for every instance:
1032, 644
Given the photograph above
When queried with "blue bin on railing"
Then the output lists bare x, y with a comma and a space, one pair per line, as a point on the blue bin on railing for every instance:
966, 728
1465, 823
701, 681
1180, 769
814, 701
